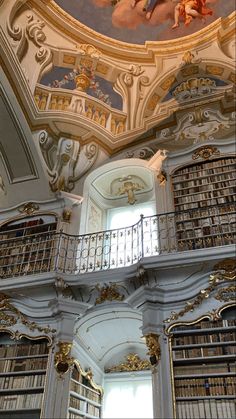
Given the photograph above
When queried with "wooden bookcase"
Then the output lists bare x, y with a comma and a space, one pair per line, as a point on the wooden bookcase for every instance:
26, 246
204, 369
85, 400
204, 202
23, 367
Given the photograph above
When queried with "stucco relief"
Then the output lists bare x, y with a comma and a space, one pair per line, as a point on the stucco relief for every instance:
69, 162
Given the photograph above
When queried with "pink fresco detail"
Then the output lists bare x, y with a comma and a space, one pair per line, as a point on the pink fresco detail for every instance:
130, 14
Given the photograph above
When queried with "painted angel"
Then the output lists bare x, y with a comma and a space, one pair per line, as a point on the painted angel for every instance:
189, 10
148, 7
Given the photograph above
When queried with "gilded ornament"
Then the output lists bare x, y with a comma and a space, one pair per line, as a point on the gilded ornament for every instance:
69, 59
194, 87
189, 71
205, 152
29, 208
133, 363
129, 188
162, 177
62, 361
89, 375
215, 70
154, 348
15, 315
109, 293
188, 57
232, 77
102, 68
66, 215
224, 271
153, 101
166, 84
226, 294
82, 82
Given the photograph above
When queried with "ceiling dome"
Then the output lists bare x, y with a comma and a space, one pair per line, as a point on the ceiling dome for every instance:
138, 21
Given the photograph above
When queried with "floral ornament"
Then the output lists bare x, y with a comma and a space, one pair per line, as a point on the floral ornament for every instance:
92, 82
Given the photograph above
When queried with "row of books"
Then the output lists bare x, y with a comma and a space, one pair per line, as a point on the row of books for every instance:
211, 386
208, 165
26, 228
203, 351
22, 225
22, 381
7, 351
205, 324
21, 401
207, 409
213, 175
93, 410
84, 391
186, 182
205, 338
77, 403
200, 204
73, 415
18, 248
207, 231
199, 185
218, 368
202, 171
25, 364
199, 223
84, 407
187, 244
202, 213
196, 197
26, 269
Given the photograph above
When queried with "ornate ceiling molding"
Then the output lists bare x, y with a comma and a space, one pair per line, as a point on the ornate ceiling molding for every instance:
77, 30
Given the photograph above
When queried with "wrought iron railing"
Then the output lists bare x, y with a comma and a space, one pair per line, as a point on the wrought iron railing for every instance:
198, 228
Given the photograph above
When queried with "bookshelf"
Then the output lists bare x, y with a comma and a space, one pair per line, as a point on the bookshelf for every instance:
204, 202
23, 367
85, 397
204, 369
26, 246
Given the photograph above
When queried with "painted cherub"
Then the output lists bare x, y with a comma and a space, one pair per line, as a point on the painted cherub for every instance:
148, 7
189, 10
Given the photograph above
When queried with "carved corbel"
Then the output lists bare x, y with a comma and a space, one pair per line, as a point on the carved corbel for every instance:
62, 361
70, 162
17, 33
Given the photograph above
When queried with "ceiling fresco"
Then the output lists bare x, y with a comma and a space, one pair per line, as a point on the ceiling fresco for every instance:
137, 21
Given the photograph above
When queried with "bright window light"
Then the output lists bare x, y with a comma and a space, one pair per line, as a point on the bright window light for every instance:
128, 399
127, 216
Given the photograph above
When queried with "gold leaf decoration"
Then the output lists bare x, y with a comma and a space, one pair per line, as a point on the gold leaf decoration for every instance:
132, 363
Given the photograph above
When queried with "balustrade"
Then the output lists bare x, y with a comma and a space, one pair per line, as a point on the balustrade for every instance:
111, 249
48, 99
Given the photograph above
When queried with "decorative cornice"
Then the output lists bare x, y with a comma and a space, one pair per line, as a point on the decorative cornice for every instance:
213, 315
133, 363
88, 374
121, 50
10, 316
224, 271
205, 152
226, 294
109, 293
28, 208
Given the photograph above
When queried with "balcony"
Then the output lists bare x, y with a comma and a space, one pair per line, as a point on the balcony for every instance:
161, 234
48, 99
